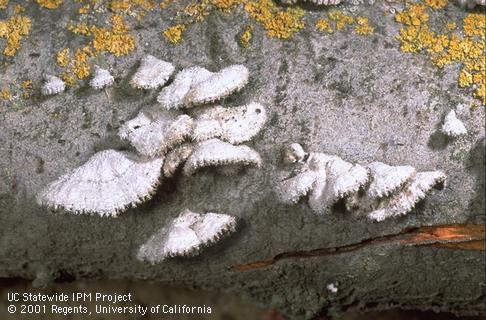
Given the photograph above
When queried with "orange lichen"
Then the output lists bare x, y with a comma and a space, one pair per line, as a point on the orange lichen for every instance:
18, 8
197, 11
117, 41
26, 84
174, 33
324, 26
475, 25
80, 28
68, 78
75, 67
444, 49
81, 66
5, 94
363, 26
63, 57
436, 4
26, 88
246, 36
3, 4
450, 26
414, 15
49, 4
164, 4
83, 9
278, 23
13, 30
120, 5
132, 6
225, 5
341, 19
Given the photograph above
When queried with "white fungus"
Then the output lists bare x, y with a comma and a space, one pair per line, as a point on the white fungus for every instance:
152, 73
101, 79
234, 125
153, 134
377, 191
405, 201
176, 158
174, 95
332, 287
294, 153
292, 189
470, 4
219, 85
187, 235
387, 179
108, 183
453, 127
215, 153
52, 85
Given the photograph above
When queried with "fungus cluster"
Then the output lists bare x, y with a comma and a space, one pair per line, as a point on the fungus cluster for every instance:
163, 140
452, 126
208, 137
187, 235
54, 85
106, 184
376, 191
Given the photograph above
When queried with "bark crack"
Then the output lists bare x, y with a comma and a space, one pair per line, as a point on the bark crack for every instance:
452, 236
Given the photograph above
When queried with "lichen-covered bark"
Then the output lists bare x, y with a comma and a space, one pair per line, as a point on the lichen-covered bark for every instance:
358, 97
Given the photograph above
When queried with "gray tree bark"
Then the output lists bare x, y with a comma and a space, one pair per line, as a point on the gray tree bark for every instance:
360, 98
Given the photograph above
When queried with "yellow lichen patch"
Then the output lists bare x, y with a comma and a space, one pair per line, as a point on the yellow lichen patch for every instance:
132, 6
117, 41
14, 30
63, 57
81, 66
475, 25
414, 15
341, 19
197, 11
225, 5
18, 8
26, 88
363, 26
27, 84
49, 4
246, 36
277, 22
444, 49
323, 26
450, 26
80, 28
68, 78
83, 9
174, 33
164, 4
75, 67
5, 94
120, 5
3, 4
436, 4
